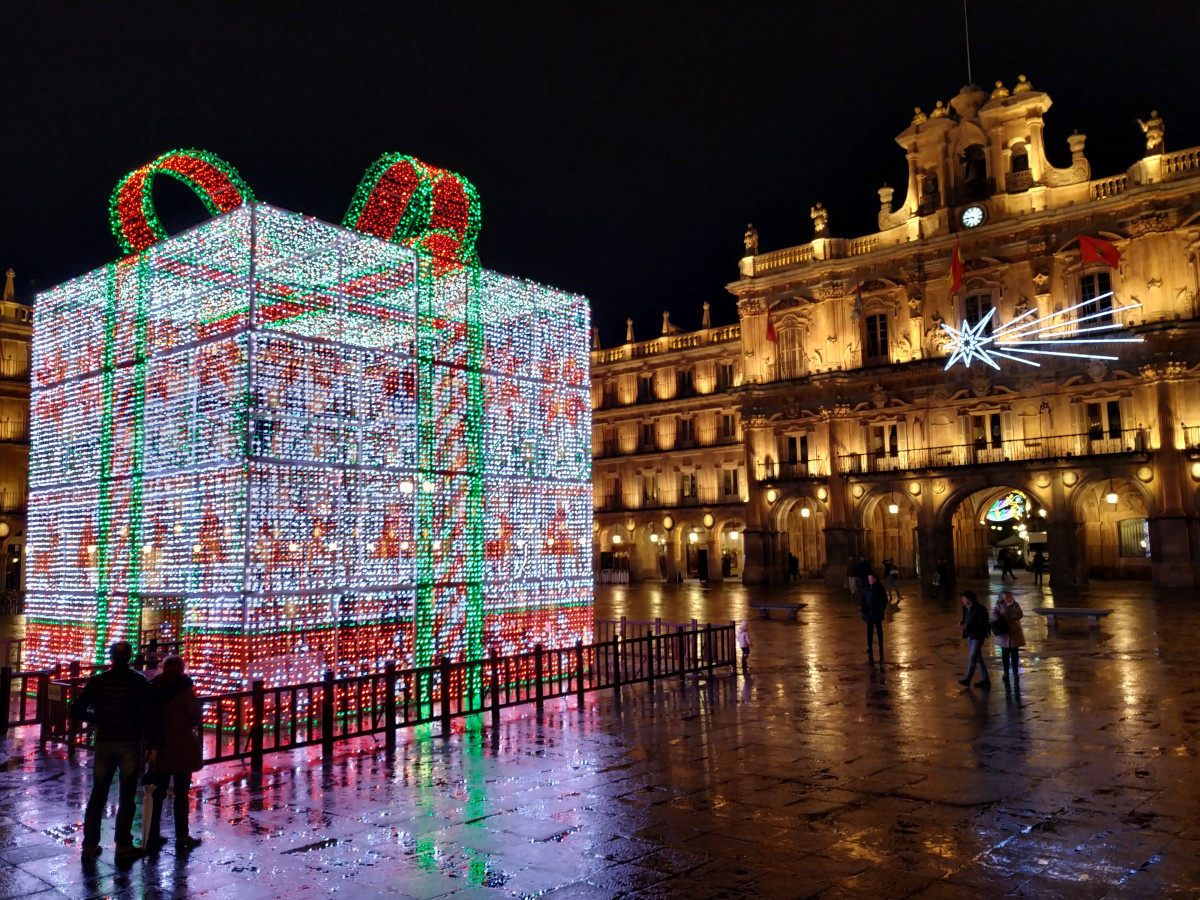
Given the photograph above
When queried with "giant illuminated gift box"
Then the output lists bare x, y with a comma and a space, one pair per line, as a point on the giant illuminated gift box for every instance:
321, 449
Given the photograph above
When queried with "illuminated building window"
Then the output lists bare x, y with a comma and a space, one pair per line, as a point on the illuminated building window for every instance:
1093, 289
976, 307
729, 425
649, 488
684, 386
686, 430
645, 389
729, 482
791, 354
885, 440
1133, 537
724, 376
1104, 420
648, 436
875, 345
687, 485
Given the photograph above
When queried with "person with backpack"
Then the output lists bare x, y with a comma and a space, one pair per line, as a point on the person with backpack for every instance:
975, 629
1010, 636
874, 605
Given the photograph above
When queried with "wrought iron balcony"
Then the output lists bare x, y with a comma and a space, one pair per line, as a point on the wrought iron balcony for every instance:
795, 470
1060, 446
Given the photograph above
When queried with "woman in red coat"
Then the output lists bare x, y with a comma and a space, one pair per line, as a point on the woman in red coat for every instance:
174, 747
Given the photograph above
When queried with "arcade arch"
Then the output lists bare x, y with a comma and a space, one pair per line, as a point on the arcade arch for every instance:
802, 519
986, 520
889, 523
1113, 516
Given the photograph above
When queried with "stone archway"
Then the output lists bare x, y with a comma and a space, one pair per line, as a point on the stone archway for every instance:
983, 519
1114, 518
801, 518
889, 534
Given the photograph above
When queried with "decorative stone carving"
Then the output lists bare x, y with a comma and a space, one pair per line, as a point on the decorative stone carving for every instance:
981, 385
831, 290
1153, 128
939, 111
1149, 224
919, 118
1000, 92
1022, 85
1097, 370
751, 306
1021, 306
878, 396
1079, 170
750, 239
820, 216
1040, 281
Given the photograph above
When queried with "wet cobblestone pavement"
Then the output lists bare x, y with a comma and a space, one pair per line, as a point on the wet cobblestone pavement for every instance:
817, 776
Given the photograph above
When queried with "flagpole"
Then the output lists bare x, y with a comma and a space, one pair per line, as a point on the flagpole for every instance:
967, 31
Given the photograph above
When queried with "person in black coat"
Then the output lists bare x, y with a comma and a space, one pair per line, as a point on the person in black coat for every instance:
874, 605
976, 628
174, 748
114, 702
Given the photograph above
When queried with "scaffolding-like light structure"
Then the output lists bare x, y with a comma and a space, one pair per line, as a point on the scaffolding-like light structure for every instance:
310, 448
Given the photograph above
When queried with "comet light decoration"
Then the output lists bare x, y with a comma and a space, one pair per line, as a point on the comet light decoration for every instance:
1020, 340
300, 447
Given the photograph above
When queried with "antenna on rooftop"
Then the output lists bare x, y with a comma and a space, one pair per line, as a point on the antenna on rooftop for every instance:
967, 30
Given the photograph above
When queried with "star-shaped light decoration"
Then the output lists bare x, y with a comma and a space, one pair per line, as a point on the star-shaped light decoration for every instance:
1017, 341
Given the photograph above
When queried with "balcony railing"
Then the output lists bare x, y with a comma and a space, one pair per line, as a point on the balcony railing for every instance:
1061, 446
14, 431
14, 368
796, 470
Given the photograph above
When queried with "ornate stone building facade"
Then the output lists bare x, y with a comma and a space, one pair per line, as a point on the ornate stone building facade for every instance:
16, 329
856, 437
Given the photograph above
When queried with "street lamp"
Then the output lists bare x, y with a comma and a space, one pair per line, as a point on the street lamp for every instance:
893, 507
1111, 496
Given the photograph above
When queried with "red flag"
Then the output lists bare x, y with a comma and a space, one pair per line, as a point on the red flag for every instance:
956, 271
771, 335
1097, 250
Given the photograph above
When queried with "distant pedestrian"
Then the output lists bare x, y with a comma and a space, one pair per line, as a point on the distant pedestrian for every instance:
1006, 563
941, 579
793, 567
743, 639
1010, 636
852, 575
174, 716
1039, 566
975, 629
874, 605
891, 574
114, 701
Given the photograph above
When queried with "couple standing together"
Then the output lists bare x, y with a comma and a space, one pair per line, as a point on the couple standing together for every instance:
977, 625
125, 709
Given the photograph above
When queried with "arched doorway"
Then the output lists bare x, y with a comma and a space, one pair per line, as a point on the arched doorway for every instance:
996, 520
890, 525
803, 520
1116, 529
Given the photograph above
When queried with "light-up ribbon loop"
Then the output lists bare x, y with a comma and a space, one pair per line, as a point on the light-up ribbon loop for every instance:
131, 209
404, 200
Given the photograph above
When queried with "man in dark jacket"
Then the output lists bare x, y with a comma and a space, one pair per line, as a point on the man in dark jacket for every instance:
115, 702
976, 628
874, 605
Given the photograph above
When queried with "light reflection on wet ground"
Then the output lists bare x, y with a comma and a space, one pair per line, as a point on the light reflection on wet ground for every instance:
818, 776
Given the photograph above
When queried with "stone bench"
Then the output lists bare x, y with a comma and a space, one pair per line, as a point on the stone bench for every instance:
1053, 613
764, 609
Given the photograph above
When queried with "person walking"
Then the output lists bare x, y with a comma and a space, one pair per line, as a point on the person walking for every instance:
874, 605
851, 576
941, 579
975, 629
114, 701
1039, 566
1010, 636
1006, 560
892, 578
174, 749
743, 639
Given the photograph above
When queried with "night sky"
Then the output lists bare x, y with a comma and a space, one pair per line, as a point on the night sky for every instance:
619, 149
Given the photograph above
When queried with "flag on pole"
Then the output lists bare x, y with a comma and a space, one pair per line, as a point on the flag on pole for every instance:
771, 335
857, 312
956, 271
1097, 250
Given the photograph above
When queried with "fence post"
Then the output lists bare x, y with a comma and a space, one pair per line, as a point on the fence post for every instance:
579, 670
657, 625
681, 662
445, 667
616, 657
732, 646
651, 648
389, 705
495, 692
327, 716
708, 646
5, 695
43, 711
622, 628
539, 692
258, 715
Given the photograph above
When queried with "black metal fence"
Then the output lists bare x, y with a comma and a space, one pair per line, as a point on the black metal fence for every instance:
252, 723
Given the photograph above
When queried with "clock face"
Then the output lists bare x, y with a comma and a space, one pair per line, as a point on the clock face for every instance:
972, 216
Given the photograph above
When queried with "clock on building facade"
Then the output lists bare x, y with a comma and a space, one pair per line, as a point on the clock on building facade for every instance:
973, 216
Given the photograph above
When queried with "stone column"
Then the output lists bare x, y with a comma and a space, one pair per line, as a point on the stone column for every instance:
672, 554
1037, 149
713, 545
842, 539
1173, 527
756, 567
1066, 539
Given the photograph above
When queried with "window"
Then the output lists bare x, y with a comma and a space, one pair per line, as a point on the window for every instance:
648, 435
729, 425
976, 307
724, 376
687, 484
1095, 294
730, 482
987, 430
1104, 420
649, 488
645, 390
683, 383
686, 430
876, 343
791, 356
885, 440
1133, 538
797, 449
